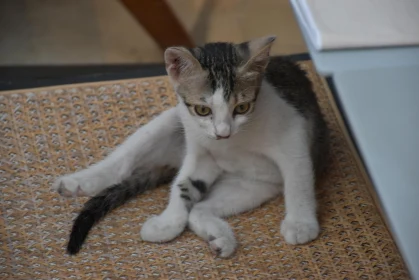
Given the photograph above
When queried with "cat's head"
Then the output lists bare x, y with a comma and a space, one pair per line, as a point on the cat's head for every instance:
219, 82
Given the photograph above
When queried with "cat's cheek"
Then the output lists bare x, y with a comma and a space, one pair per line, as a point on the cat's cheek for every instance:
208, 127
239, 121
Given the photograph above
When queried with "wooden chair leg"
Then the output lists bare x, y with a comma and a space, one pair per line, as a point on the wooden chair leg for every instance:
158, 19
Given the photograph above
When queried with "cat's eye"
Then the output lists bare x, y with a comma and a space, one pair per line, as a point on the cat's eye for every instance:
202, 110
242, 108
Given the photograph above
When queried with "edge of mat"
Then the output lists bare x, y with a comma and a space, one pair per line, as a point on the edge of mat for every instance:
15, 77
86, 84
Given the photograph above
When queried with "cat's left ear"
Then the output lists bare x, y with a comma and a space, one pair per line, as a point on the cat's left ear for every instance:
258, 51
180, 64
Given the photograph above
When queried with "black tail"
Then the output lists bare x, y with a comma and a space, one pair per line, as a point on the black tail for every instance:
98, 206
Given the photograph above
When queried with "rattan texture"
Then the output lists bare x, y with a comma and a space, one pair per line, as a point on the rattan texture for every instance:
48, 132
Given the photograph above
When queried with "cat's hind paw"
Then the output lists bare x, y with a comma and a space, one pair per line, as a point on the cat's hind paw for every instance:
69, 187
223, 247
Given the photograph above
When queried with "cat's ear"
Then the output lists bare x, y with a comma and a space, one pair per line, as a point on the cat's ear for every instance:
258, 54
180, 63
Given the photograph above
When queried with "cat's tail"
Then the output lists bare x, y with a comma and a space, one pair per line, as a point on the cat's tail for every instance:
107, 200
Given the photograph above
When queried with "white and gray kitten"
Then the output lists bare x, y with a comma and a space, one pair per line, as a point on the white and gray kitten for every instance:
246, 128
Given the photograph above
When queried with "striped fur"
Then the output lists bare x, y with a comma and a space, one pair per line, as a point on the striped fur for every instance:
98, 206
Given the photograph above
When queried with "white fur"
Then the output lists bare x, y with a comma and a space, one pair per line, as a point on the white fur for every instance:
267, 151
230, 195
220, 122
153, 144
221, 114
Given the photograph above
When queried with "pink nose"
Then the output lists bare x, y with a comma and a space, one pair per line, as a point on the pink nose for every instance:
222, 131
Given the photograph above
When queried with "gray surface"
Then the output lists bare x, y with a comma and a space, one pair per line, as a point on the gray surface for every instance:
329, 62
379, 93
382, 109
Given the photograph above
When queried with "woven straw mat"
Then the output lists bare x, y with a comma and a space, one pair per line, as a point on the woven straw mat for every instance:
53, 131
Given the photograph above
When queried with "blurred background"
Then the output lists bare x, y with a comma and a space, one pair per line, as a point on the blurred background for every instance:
69, 32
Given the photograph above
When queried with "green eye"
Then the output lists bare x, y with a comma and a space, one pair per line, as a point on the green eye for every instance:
202, 110
242, 108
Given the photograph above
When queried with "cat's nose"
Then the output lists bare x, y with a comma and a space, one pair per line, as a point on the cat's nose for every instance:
222, 131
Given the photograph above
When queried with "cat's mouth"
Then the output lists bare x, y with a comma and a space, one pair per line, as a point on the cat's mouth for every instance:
218, 137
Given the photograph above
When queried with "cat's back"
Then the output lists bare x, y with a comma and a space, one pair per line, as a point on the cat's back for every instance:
292, 84
294, 87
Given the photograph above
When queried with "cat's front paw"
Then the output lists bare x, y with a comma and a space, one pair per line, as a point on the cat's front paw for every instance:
163, 228
69, 186
299, 231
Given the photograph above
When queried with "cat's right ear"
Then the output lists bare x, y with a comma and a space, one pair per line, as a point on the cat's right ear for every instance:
180, 63
258, 53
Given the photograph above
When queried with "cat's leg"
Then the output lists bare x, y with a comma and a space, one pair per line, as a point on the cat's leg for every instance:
294, 160
196, 176
230, 195
156, 144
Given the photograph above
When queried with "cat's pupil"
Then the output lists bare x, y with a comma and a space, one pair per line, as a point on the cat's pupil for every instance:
242, 108
202, 110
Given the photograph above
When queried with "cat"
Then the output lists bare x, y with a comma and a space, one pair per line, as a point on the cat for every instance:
247, 127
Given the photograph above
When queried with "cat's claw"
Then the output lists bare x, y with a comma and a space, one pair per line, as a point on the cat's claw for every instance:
299, 232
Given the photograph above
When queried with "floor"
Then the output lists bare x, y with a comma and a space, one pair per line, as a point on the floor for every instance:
51, 32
